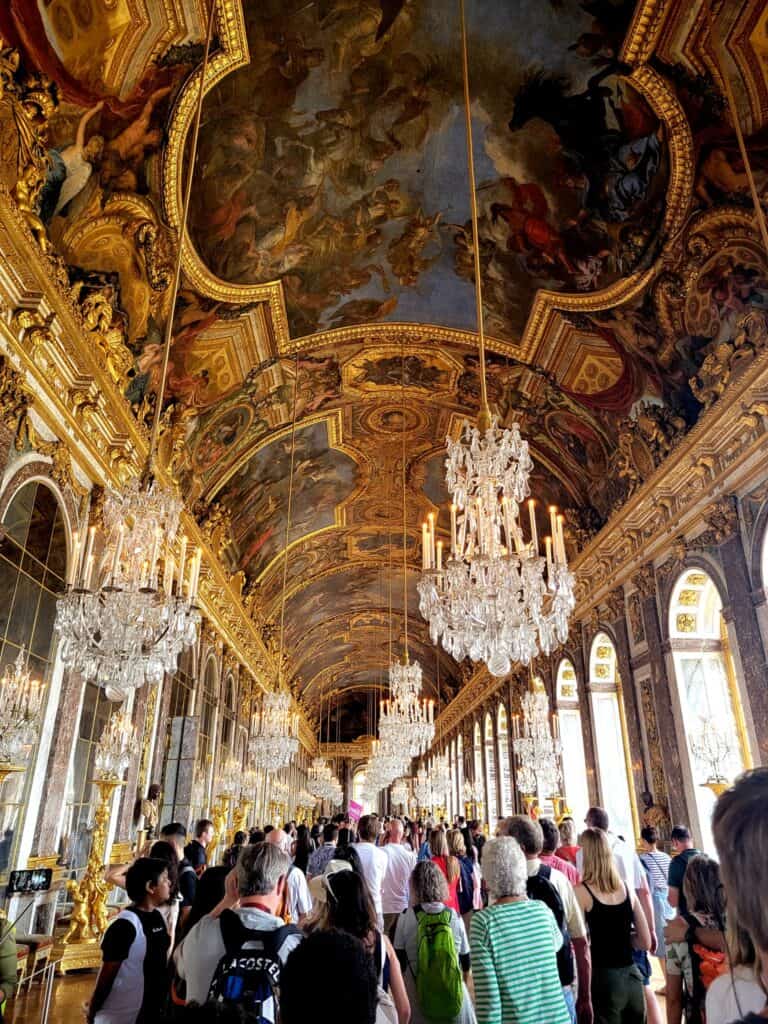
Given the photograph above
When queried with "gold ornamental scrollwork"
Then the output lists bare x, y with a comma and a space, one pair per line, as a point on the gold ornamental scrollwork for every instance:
722, 519
30, 100
644, 581
15, 400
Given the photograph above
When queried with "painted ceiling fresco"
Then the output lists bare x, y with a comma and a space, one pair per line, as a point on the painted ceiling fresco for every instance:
335, 161
330, 259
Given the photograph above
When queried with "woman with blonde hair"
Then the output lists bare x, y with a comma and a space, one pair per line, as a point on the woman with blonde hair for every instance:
448, 864
466, 894
611, 911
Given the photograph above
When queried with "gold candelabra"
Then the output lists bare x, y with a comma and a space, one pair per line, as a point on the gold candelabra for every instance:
220, 817
240, 815
79, 946
561, 808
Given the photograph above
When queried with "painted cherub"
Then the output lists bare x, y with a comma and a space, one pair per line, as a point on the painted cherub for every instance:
124, 155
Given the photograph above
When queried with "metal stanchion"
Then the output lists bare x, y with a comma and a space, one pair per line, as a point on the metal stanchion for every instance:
49, 974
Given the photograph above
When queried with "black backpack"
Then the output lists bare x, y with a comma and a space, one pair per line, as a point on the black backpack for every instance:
466, 893
540, 888
248, 974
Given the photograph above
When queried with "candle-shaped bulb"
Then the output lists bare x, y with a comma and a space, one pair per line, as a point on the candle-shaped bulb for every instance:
534, 531
453, 529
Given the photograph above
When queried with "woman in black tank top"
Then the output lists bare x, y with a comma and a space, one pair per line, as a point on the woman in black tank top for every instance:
616, 925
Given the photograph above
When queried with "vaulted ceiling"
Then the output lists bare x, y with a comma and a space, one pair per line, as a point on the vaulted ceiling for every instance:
329, 255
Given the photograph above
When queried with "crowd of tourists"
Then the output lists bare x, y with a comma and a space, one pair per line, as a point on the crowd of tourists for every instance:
394, 920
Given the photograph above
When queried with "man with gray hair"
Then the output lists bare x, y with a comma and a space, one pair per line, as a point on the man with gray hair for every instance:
254, 894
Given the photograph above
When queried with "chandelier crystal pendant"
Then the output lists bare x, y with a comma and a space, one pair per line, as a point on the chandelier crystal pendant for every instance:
537, 750
130, 609
494, 598
21, 700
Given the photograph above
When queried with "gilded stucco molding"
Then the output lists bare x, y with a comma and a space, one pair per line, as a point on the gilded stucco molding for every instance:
644, 30
45, 338
718, 456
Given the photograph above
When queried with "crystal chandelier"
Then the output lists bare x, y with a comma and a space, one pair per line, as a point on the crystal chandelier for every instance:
494, 598
114, 749
400, 793
21, 699
440, 775
274, 732
229, 777
537, 750
321, 780
130, 609
422, 789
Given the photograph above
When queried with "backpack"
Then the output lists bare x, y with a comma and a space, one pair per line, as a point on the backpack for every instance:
439, 985
540, 888
248, 974
467, 888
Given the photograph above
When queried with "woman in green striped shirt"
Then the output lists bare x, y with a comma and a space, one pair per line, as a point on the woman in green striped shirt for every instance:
514, 944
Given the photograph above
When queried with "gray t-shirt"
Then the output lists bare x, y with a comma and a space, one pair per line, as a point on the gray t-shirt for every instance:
198, 955
407, 938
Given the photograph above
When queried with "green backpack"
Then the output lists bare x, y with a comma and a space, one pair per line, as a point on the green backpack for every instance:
439, 984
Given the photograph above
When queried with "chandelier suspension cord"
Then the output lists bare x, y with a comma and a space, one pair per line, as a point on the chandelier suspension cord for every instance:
405, 535
484, 416
176, 282
390, 488
289, 511
731, 100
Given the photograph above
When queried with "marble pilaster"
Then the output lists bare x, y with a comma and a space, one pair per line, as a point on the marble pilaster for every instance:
59, 761
661, 693
745, 625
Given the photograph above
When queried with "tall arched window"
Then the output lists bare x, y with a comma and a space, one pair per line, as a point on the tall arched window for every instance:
610, 738
712, 716
572, 739
33, 562
490, 769
505, 773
